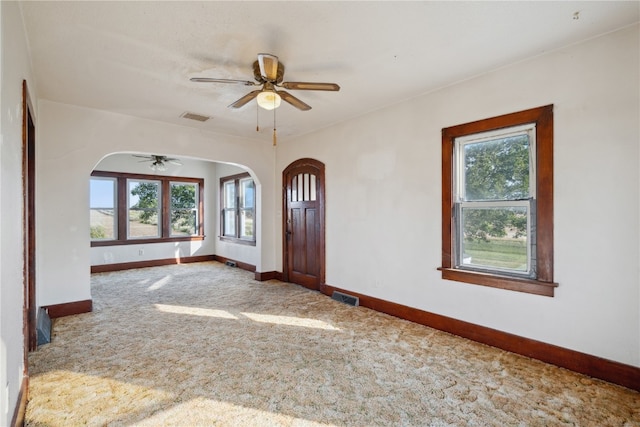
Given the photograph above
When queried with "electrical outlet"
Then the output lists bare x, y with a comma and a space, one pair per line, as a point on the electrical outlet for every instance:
140, 252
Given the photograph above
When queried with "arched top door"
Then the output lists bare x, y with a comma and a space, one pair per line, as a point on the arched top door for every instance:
303, 223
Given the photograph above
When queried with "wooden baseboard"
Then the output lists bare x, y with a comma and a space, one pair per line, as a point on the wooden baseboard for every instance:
239, 264
104, 268
21, 406
593, 366
263, 276
69, 308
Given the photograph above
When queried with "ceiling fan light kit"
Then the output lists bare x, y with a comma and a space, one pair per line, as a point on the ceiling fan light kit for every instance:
158, 166
269, 100
158, 162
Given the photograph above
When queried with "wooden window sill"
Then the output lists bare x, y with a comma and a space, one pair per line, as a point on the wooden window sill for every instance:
529, 286
145, 241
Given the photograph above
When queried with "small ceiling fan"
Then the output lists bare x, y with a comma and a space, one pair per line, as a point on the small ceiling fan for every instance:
158, 163
268, 72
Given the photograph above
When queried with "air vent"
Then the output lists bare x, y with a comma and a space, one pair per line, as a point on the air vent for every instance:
43, 328
231, 264
347, 299
194, 116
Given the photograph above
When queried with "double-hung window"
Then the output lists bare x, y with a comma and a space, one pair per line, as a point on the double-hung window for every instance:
237, 216
498, 202
494, 204
184, 209
144, 215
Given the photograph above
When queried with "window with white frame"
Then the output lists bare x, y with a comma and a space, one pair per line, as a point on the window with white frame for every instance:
494, 201
238, 202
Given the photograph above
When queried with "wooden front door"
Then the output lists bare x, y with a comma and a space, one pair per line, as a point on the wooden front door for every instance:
303, 185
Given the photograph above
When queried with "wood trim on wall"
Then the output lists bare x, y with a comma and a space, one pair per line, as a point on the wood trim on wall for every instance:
263, 276
593, 366
69, 308
21, 406
103, 268
239, 264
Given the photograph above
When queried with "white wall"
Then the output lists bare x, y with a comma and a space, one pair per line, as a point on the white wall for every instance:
126, 162
73, 140
14, 67
383, 198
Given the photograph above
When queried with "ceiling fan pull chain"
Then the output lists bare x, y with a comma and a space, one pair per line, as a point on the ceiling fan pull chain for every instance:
274, 127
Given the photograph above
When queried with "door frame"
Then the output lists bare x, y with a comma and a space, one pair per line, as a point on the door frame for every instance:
316, 167
28, 219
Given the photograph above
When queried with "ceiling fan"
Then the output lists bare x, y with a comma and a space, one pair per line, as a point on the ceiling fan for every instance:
268, 72
158, 163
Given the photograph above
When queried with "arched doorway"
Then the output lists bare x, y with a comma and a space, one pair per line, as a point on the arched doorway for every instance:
303, 223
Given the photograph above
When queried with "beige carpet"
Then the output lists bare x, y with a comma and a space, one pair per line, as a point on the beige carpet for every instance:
205, 345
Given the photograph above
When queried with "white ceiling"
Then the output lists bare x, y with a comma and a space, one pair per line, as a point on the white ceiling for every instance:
136, 58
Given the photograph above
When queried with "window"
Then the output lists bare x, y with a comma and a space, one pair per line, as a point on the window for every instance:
497, 203
184, 209
238, 201
102, 207
144, 218
135, 208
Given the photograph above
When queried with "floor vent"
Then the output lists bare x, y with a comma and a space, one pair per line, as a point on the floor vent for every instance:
347, 299
230, 264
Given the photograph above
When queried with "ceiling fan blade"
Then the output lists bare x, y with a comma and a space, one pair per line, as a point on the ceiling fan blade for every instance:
212, 80
294, 101
268, 66
311, 86
242, 101
142, 156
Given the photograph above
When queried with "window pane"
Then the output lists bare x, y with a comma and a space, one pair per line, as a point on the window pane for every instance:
247, 193
229, 222
497, 169
495, 238
246, 224
184, 213
184, 222
313, 188
230, 194
144, 215
102, 202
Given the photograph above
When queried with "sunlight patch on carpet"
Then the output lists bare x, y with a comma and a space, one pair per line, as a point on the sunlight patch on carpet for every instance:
159, 283
207, 412
290, 321
195, 311
110, 400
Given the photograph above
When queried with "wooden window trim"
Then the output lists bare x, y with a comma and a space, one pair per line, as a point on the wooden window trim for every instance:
543, 284
230, 239
121, 206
